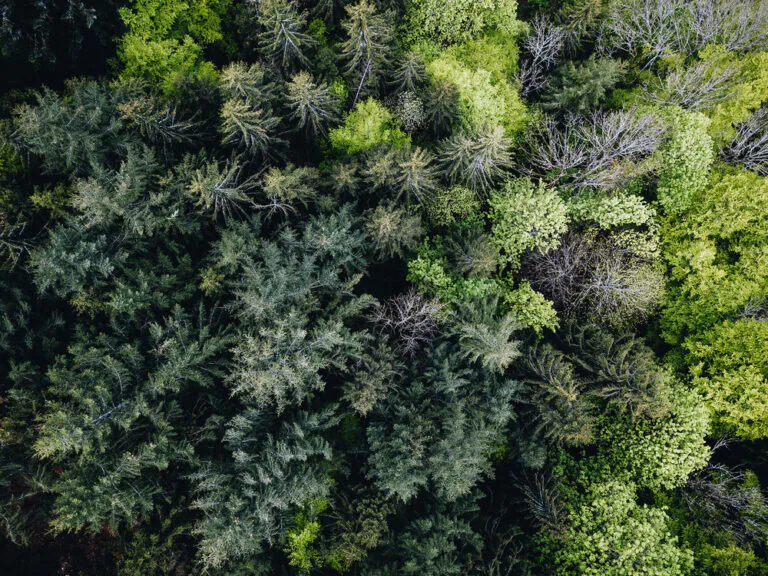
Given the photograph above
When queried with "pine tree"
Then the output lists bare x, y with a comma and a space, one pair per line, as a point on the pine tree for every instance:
410, 73
417, 177
486, 337
565, 413
283, 40
158, 121
477, 159
222, 189
249, 127
582, 87
367, 48
439, 428
246, 501
286, 359
314, 107
70, 133
443, 108
111, 422
250, 82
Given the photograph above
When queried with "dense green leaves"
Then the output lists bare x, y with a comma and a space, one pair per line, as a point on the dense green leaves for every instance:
383, 288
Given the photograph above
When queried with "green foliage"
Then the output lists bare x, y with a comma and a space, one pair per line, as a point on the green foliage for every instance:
393, 230
483, 84
286, 294
441, 543
661, 453
302, 537
165, 39
248, 127
154, 549
716, 252
531, 308
443, 108
581, 87
459, 20
729, 364
686, 161
410, 73
369, 125
611, 534
730, 561
360, 526
429, 271
594, 369
611, 210
110, 197
452, 205
433, 274
525, 216
747, 94
440, 429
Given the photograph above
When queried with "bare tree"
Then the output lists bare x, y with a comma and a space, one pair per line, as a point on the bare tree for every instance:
612, 138
543, 45
411, 318
558, 273
595, 151
642, 26
719, 497
755, 310
591, 276
650, 29
503, 549
750, 145
740, 26
695, 87
622, 134
619, 288
554, 150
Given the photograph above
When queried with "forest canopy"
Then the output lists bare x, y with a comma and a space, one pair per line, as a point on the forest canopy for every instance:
384, 288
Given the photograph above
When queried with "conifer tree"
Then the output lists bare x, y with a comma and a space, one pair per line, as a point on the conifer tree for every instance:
477, 159
313, 106
283, 40
366, 49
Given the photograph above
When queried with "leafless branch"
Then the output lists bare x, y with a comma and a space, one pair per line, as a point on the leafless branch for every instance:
750, 145
411, 318
695, 87
595, 151
543, 45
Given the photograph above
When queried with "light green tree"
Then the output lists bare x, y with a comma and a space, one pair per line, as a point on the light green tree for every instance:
729, 364
458, 20
661, 452
526, 216
686, 160
609, 534
165, 39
